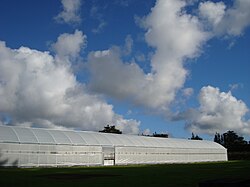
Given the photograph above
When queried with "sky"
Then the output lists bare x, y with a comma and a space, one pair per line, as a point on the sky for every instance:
165, 66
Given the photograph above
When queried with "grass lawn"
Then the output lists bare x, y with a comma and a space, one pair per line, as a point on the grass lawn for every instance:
182, 175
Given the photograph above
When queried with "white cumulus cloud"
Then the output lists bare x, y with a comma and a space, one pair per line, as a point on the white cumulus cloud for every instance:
70, 13
227, 20
213, 12
218, 112
70, 45
36, 90
175, 35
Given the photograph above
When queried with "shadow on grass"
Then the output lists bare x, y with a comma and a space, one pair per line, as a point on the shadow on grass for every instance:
226, 182
76, 176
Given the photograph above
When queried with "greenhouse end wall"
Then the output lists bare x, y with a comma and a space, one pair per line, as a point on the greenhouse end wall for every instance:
30, 147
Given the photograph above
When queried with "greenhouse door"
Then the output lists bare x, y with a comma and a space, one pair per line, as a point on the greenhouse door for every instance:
108, 156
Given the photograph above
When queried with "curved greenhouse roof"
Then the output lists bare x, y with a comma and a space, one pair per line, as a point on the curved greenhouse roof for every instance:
11, 134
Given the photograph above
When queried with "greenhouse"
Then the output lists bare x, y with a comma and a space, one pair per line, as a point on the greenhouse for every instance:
36, 147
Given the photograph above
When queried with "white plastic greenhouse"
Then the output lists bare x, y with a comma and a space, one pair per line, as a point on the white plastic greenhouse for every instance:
33, 147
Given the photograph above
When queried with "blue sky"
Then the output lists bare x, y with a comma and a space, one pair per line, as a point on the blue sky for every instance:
170, 66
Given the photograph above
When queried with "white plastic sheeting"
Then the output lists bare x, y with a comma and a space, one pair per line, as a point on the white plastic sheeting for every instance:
33, 155
28, 147
142, 155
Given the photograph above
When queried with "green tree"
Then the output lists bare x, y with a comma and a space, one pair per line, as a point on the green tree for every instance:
161, 135
230, 138
111, 129
195, 137
217, 138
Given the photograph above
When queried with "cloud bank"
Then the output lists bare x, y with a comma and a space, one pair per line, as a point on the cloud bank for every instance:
39, 90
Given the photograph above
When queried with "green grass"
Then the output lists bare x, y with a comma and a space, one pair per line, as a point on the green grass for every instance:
136, 175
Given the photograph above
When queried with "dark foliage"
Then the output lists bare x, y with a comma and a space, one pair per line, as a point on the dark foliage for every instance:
229, 139
158, 135
218, 138
111, 129
195, 137
161, 135
237, 147
239, 152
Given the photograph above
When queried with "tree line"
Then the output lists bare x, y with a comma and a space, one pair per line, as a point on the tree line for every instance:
237, 147
229, 139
